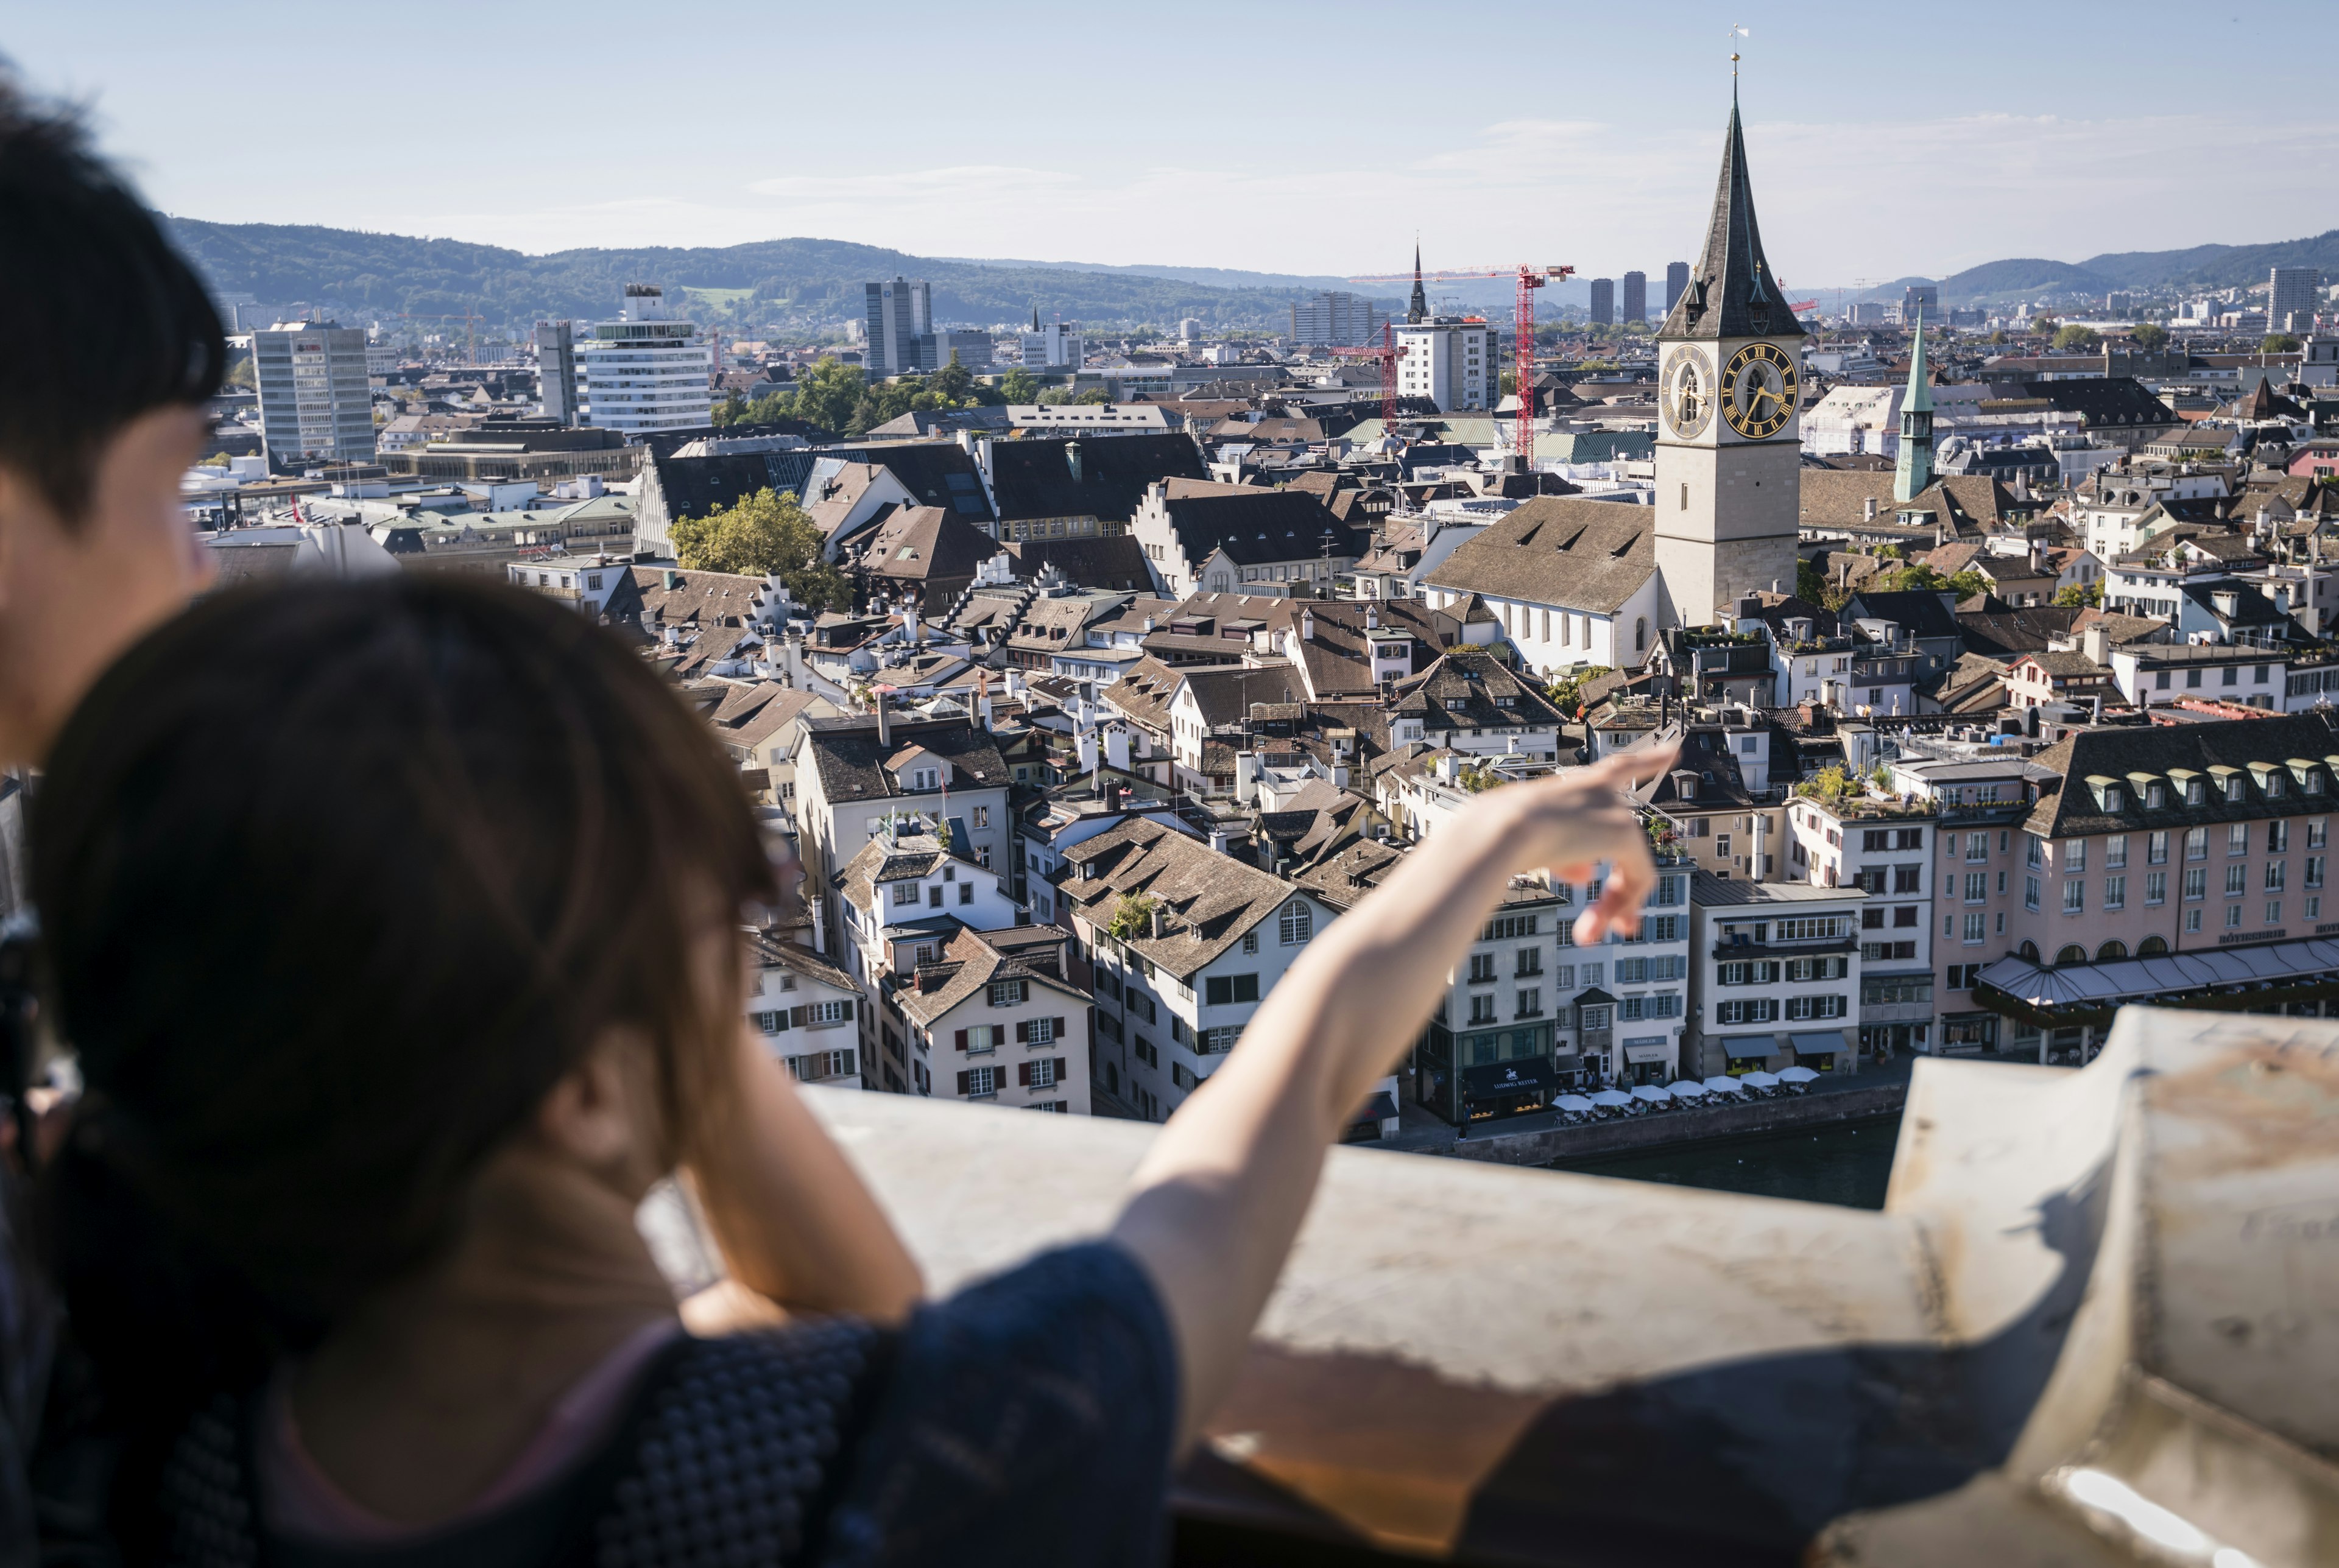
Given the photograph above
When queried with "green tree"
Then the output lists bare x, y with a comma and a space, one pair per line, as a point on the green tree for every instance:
2278, 343
240, 374
827, 394
764, 535
2078, 597
1018, 387
2149, 336
1811, 583
2075, 338
1998, 339
730, 411
1133, 915
1095, 395
1566, 693
2045, 326
954, 380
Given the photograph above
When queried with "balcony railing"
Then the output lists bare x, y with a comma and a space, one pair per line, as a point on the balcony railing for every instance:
2098, 1308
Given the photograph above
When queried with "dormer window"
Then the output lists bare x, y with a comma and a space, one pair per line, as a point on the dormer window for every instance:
2233, 788
2195, 793
925, 778
2154, 796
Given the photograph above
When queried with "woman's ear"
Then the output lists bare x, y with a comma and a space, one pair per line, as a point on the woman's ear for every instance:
603, 1113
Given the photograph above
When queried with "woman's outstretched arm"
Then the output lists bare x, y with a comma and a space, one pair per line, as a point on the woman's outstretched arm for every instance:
1221, 1193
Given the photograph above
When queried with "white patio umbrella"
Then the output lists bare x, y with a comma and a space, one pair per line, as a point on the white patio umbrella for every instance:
1796, 1075
1653, 1094
1723, 1083
1758, 1080
1575, 1103
1613, 1099
1686, 1089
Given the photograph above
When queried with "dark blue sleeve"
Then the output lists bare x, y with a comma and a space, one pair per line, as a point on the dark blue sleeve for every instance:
1027, 1420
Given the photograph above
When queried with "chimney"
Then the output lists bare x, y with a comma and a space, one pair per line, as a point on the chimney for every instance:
983, 697
1307, 626
1868, 510
816, 906
884, 722
2095, 642
1160, 921
1372, 617
669, 578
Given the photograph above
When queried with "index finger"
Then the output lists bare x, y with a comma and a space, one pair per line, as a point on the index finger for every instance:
1624, 768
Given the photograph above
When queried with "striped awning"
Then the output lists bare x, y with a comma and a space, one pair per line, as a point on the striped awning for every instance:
2126, 979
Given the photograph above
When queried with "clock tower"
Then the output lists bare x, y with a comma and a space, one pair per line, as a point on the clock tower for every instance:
1729, 441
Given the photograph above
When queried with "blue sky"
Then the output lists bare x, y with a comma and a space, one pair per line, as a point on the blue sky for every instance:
1281, 137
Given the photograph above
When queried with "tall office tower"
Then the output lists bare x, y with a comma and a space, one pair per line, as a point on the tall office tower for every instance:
1058, 345
1676, 279
645, 372
1919, 299
2290, 299
1636, 298
1729, 461
1334, 319
1604, 302
556, 370
314, 400
898, 314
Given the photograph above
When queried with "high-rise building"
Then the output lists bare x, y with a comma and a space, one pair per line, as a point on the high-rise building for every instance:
556, 370
645, 372
974, 350
1920, 299
1636, 298
1729, 460
1334, 319
897, 314
1189, 330
1604, 302
1448, 359
314, 398
1676, 279
1056, 346
2290, 299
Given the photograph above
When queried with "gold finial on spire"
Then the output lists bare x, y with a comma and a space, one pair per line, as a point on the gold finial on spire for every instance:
1736, 33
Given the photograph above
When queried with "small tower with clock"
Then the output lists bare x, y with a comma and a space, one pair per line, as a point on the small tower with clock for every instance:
1729, 460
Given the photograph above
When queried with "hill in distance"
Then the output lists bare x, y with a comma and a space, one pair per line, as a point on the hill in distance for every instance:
369, 276
2196, 267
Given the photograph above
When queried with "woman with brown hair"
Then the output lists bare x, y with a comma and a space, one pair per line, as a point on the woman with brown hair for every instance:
395, 926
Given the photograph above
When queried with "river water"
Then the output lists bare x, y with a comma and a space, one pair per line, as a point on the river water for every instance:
1848, 1164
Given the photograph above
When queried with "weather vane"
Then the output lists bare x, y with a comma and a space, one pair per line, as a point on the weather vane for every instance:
1736, 33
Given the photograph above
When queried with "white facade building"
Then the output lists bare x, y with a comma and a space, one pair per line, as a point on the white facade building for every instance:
896, 314
1775, 975
806, 1008
1056, 346
1450, 360
1886, 853
645, 372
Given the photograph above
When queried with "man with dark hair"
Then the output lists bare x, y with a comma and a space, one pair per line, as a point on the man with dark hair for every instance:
112, 350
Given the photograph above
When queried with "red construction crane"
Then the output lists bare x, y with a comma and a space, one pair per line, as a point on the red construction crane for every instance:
1523, 355
1383, 351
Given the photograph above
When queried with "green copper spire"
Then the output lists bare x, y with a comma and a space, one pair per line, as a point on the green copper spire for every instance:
1915, 470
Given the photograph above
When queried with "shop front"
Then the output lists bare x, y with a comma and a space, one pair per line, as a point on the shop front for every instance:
1649, 1060
1824, 1052
1501, 1089
1964, 1033
1749, 1053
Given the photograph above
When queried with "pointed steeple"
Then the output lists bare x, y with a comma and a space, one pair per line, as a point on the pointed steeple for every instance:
1732, 292
1419, 310
1915, 470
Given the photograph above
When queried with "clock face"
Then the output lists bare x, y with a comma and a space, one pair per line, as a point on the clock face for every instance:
1687, 393
1759, 390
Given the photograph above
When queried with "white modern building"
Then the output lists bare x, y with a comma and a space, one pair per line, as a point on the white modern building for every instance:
556, 370
1885, 850
1449, 360
1056, 346
315, 401
645, 372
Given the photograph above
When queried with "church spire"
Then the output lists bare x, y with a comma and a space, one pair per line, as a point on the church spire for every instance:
1419, 310
1915, 470
1732, 292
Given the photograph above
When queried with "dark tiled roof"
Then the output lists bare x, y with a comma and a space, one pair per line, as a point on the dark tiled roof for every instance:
852, 761
1258, 527
2001, 634
1558, 550
1210, 898
2115, 753
1732, 292
1117, 561
1924, 612
1467, 687
1033, 479
921, 544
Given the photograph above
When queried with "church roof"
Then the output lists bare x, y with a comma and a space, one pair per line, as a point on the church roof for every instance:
1732, 292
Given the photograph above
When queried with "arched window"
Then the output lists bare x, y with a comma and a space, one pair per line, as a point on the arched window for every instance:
2074, 953
2029, 951
2151, 947
1298, 923
2111, 951
1640, 633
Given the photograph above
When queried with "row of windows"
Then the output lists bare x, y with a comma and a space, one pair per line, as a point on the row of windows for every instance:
1765, 1009
2276, 879
1769, 971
